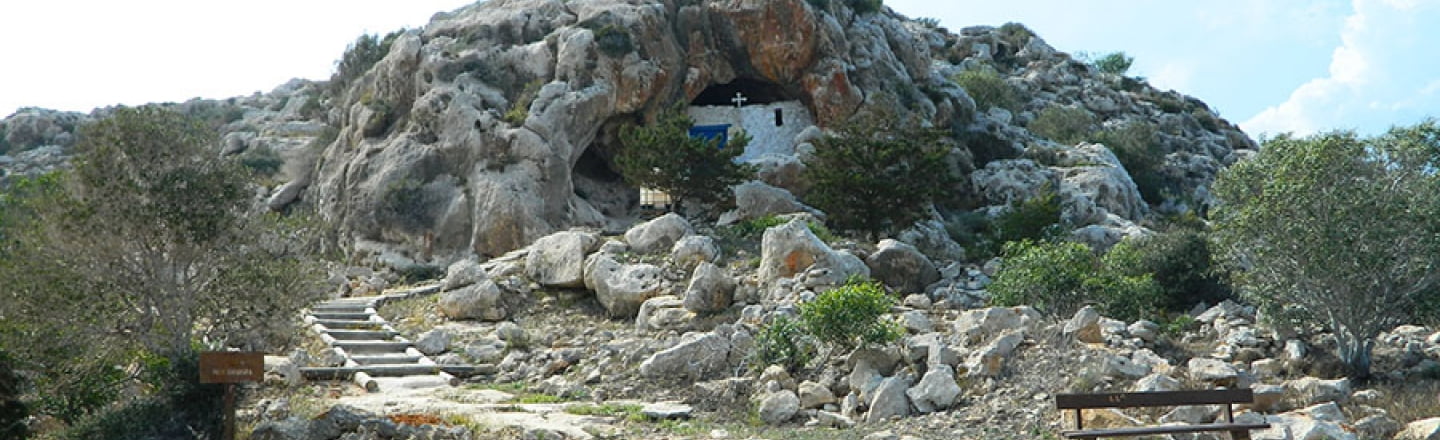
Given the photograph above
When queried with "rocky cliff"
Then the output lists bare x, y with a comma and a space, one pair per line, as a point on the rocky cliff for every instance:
495, 124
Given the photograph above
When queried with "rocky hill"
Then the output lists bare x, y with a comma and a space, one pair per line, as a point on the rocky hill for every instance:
496, 124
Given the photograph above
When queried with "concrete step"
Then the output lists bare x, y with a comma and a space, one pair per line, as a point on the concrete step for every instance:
385, 359
373, 346
348, 324
360, 335
340, 308
341, 315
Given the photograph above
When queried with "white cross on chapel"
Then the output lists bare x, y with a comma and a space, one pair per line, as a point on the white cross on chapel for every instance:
739, 100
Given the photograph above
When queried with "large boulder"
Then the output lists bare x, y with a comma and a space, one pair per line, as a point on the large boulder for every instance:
978, 326
462, 273
755, 199
777, 407
658, 234
1212, 371
889, 400
1425, 429
710, 290
476, 301
792, 248
902, 267
693, 250
936, 391
699, 356
558, 260
621, 288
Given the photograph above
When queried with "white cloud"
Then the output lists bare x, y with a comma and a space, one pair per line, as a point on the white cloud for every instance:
1175, 75
1373, 78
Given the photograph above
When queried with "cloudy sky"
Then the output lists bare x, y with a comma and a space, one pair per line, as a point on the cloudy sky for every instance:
1271, 65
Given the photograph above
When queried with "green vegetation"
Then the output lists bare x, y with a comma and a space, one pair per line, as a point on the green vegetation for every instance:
359, 57
1136, 146
783, 342
755, 227
1015, 34
1066, 125
131, 258
614, 40
262, 161
520, 110
1178, 260
819, 4
408, 204
851, 315
1114, 63
13, 411
877, 174
988, 89
1059, 277
607, 409
663, 156
1298, 223
1036, 218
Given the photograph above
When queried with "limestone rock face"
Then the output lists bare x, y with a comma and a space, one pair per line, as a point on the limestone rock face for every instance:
558, 260
700, 356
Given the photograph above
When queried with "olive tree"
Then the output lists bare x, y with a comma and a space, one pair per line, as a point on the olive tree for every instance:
1336, 230
145, 250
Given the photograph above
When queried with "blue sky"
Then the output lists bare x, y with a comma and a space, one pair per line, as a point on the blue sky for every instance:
1270, 65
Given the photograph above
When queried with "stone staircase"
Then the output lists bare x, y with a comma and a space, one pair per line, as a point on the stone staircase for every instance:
371, 347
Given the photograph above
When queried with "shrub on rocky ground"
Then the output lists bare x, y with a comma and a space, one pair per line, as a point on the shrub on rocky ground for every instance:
1060, 277
1066, 125
782, 342
987, 89
851, 315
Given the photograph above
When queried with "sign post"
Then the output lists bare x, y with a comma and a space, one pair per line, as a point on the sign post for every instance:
230, 368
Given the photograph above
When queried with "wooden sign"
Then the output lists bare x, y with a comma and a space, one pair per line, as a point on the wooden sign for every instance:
231, 367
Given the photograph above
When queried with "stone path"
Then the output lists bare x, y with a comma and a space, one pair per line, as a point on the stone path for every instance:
373, 350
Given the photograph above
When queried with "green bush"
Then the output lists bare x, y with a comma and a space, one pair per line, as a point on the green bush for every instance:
1035, 218
359, 57
819, 4
262, 161
614, 40
988, 89
178, 407
520, 110
1115, 63
755, 227
1060, 277
1135, 145
1015, 34
864, 6
1179, 261
1066, 125
407, 204
783, 342
13, 411
851, 315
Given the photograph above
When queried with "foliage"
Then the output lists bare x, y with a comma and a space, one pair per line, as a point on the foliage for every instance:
819, 4
1115, 63
143, 248
877, 174
929, 22
783, 342
614, 40
359, 57
1298, 224
1178, 260
988, 89
13, 411
851, 315
178, 407
408, 204
262, 161
1015, 34
753, 228
1135, 145
1060, 277
1066, 125
520, 110
1035, 218
663, 156
864, 6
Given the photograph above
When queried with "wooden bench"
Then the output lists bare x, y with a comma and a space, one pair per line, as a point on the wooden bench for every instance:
1237, 431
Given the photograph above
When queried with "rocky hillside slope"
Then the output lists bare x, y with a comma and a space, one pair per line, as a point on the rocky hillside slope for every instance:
495, 124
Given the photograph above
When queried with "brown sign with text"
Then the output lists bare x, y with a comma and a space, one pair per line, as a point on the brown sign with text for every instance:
231, 367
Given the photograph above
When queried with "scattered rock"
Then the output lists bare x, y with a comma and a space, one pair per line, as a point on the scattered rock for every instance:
902, 267
658, 234
1085, 326
558, 260
710, 290
1156, 382
1145, 330
778, 407
666, 411
936, 391
977, 326
699, 356
989, 361
888, 400
814, 395
1212, 371
433, 342
621, 288
477, 301
1426, 429
692, 250
791, 248
463, 273
1310, 390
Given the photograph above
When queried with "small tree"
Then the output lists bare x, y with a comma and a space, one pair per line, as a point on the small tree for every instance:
663, 156
1116, 63
1336, 230
1059, 277
851, 315
144, 250
876, 175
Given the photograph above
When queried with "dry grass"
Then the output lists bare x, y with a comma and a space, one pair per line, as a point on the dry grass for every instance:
414, 315
1410, 400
